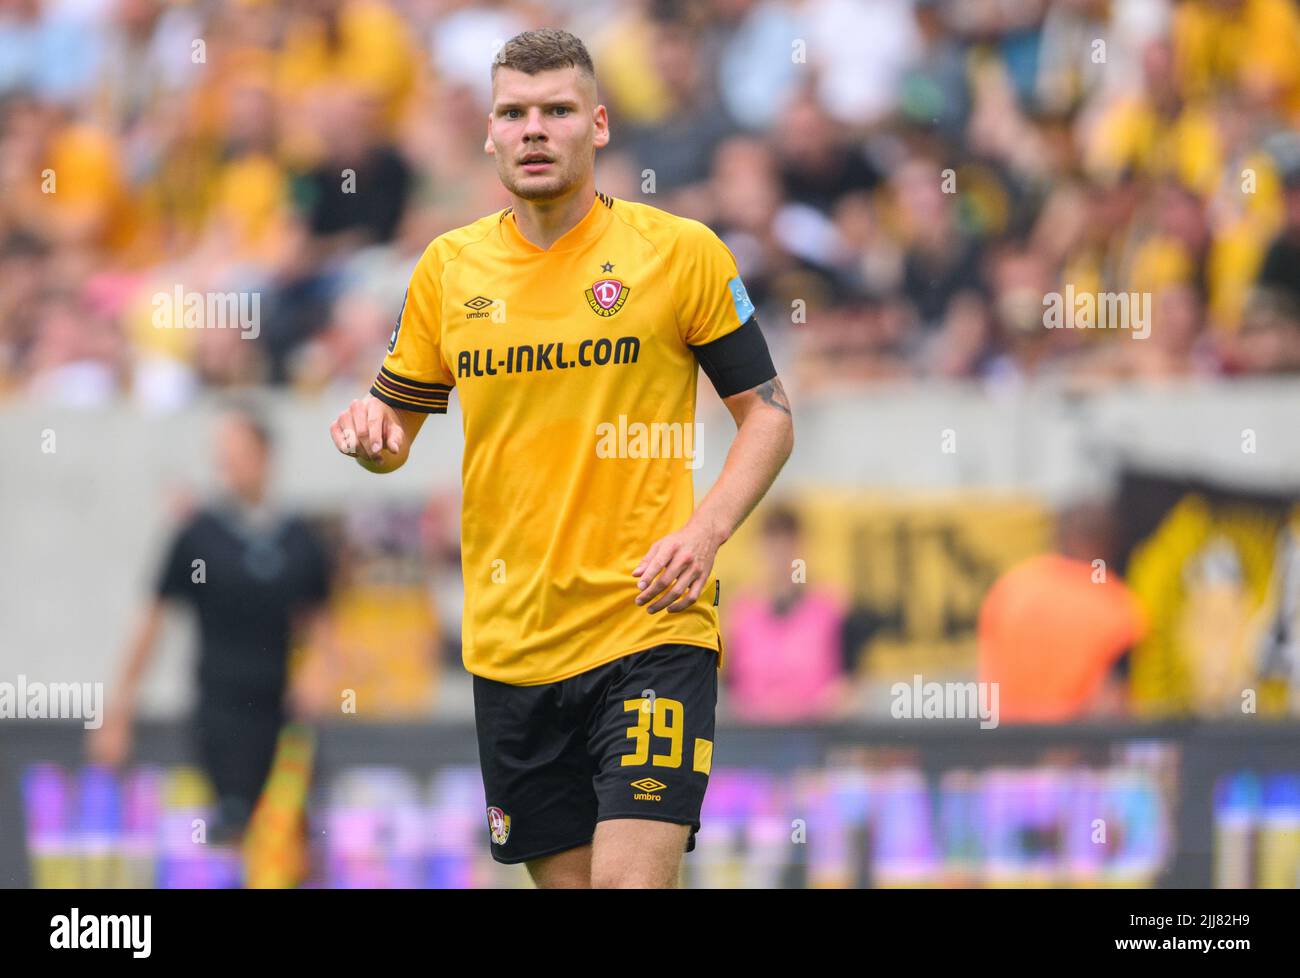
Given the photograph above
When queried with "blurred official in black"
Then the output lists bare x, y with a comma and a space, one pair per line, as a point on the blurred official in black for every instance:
258, 579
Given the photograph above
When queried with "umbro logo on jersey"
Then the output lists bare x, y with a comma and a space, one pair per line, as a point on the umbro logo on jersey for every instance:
484, 308
607, 296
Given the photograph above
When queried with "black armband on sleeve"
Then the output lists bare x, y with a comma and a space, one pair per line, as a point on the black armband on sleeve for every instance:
738, 361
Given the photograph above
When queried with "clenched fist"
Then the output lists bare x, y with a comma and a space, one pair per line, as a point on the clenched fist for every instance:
376, 435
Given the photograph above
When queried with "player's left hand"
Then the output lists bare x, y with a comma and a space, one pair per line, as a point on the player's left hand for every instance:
676, 568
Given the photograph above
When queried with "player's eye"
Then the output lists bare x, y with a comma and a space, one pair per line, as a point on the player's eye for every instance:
561, 110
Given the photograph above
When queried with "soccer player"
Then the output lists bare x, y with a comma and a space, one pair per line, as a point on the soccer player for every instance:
572, 326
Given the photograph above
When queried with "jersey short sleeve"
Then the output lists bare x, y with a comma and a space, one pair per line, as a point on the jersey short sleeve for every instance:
715, 314
414, 376
175, 576
317, 565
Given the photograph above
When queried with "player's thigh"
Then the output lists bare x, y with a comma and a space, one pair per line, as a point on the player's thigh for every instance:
537, 774
637, 852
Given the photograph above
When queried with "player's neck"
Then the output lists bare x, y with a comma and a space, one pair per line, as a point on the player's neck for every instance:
544, 222
248, 502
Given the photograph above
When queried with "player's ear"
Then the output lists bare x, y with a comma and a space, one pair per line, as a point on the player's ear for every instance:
489, 147
601, 120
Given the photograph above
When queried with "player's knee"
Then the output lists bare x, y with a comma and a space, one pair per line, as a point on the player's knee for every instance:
558, 881
568, 870
632, 881
636, 876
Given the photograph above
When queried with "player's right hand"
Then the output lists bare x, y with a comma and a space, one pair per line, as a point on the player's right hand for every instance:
366, 428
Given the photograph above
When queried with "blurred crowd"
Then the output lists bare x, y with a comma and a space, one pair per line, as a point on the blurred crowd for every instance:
903, 182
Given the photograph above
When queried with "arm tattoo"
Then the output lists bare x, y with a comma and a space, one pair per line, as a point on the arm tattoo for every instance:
773, 394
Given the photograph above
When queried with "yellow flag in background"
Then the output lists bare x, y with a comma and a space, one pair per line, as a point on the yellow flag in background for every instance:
275, 847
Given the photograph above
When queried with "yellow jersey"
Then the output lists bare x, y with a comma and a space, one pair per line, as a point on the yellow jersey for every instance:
577, 384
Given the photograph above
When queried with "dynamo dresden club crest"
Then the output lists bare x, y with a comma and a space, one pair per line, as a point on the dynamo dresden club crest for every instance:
607, 296
499, 823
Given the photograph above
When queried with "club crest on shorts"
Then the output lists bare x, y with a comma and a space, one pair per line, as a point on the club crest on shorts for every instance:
607, 296
499, 824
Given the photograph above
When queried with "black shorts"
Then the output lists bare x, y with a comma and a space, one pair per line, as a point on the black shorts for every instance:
630, 739
236, 746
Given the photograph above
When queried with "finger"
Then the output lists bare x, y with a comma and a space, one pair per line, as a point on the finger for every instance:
347, 430
654, 562
375, 426
361, 425
680, 574
396, 436
342, 439
680, 588
689, 598
654, 580
649, 555
678, 570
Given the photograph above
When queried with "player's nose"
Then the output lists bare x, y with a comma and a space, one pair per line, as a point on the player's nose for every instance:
534, 128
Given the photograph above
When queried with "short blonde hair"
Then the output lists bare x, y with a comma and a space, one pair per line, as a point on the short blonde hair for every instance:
544, 50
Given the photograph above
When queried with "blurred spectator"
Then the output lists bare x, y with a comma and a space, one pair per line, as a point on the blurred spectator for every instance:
679, 147
76, 356
50, 49
356, 195
860, 51
1053, 628
790, 649
1269, 338
757, 73
939, 263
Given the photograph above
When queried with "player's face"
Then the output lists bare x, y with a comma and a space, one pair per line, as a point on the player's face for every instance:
544, 130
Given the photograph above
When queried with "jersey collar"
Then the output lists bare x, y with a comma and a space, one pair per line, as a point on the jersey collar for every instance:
582, 233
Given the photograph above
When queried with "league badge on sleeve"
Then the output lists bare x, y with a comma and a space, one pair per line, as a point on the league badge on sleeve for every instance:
392, 340
607, 296
740, 299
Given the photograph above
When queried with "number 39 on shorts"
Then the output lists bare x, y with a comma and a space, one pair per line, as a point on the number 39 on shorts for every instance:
666, 721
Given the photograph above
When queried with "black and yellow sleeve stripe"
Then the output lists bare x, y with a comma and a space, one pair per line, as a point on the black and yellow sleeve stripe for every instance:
410, 395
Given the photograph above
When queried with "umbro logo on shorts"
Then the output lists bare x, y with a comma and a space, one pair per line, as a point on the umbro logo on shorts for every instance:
648, 789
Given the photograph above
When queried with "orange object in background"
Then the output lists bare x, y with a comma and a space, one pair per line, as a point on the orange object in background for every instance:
1049, 634
275, 847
